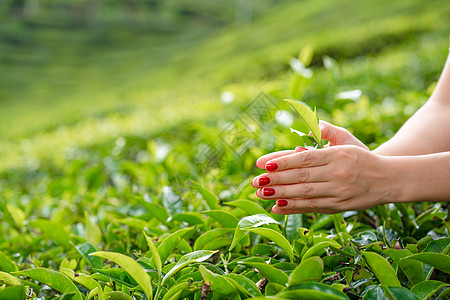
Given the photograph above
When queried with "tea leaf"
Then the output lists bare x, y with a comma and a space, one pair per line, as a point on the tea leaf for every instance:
275, 237
309, 117
426, 289
437, 260
309, 269
381, 268
312, 291
133, 268
53, 279
155, 255
271, 273
9, 279
196, 256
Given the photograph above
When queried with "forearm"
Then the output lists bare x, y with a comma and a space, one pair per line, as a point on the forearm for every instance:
419, 178
426, 132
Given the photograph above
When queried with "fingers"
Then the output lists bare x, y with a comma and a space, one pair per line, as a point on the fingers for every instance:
291, 211
261, 162
310, 158
291, 176
300, 190
308, 203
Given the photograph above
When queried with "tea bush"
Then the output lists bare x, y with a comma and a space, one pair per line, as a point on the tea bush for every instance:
132, 204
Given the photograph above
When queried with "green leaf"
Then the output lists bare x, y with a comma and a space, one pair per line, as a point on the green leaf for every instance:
188, 217
224, 218
53, 279
309, 117
275, 237
86, 249
92, 293
400, 293
196, 256
170, 243
255, 221
93, 232
313, 291
374, 292
6, 264
426, 289
250, 207
217, 244
309, 269
83, 279
155, 255
53, 231
175, 291
13, 292
9, 279
412, 269
318, 248
118, 275
437, 260
381, 268
245, 283
271, 273
117, 295
306, 55
217, 283
249, 222
132, 267
211, 199
16, 214
209, 236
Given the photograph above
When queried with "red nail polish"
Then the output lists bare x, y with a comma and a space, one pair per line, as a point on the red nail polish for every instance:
267, 192
300, 148
271, 167
282, 203
263, 181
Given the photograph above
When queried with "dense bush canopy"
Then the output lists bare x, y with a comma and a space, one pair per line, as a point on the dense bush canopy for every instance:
126, 154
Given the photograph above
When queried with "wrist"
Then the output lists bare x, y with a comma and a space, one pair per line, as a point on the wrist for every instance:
401, 179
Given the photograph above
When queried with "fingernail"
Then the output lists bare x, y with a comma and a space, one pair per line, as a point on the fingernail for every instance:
300, 148
252, 183
263, 181
271, 167
271, 209
282, 203
267, 192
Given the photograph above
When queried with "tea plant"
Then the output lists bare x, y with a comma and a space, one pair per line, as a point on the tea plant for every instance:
139, 210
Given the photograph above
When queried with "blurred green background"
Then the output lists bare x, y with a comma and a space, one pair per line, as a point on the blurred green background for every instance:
84, 73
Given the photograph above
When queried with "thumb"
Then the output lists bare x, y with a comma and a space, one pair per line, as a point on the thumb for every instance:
338, 135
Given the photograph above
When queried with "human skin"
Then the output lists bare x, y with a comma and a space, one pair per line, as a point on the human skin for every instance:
347, 176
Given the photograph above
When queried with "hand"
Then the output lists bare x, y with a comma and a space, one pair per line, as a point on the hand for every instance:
329, 180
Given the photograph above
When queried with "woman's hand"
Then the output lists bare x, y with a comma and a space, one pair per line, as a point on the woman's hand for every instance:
329, 180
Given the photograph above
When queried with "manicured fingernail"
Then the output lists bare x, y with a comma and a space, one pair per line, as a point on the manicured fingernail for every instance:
271, 167
263, 181
267, 192
282, 203
300, 149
